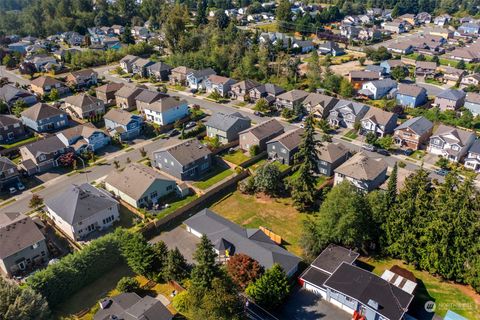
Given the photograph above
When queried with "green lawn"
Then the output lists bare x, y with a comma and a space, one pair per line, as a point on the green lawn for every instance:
19, 143
213, 177
237, 157
417, 155
281, 166
320, 179
270, 27
126, 218
445, 295
351, 134
174, 205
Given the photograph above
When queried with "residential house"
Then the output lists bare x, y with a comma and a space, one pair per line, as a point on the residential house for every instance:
259, 134
84, 106
394, 26
282, 148
241, 90
471, 80
319, 104
369, 34
452, 74
442, 20
40, 61
159, 70
139, 186
378, 89
130, 305
20, 47
196, 79
43, 85
303, 46
469, 28
122, 123
450, 99
379, 122
185, 160
425, 69
226, 127
23, 244
349, 31
140, 32
375, 68
472, 103
178, 75
126, 63
362, 171
146, 97
472, 161
126, 96
291, 99
10, 94
11, 129
330, 157
82, 78
467, 54
267, 91
409, 18
401, 47
358, 78
229, 239
107, 92
451, 143
439, 31
346, 114
331, 48
9, 175
81, 210
222, 85
85, 137
43, 117
140, 67
413, 133
42, 155
166, 110
411, 96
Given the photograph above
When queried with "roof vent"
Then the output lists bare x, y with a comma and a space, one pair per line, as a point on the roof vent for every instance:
373, 304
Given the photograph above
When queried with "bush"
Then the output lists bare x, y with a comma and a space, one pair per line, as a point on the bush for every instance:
442, 163
181, 302
128, 284
247, 186
254, 150
402, 164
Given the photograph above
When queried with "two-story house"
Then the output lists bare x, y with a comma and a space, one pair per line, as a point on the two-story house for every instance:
146, 97
159, 71
43, 117
222, 85
450, 99
389, 65
471, 79
330, 157
126, 63
166, 110
362, 171
10, 94
85, 137
378, 89
472, 103
178, 76
106, 93
11, 129
267, 91
411, 96
82, 78
126, 96
84, 106
283, 147
81, 210
196, 79
472, 161
185, 160
394, 26
9, 175
413, 133
451, 143
259, 134
425, 69
42, 155
226, 127
43, 85
140, 67
291, 99
346, 114
379, 122
123, 124
331, 48
241, 90
23, 244
358, 78
319, 104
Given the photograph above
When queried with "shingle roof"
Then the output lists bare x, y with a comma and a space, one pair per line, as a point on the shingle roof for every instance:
82, 100
384, 83
182, 70
135, 179
165, 104
129, 58
331, 152
379, 116
110, 87
293, 95
410, 90
6, 121
290, 139
149, 96
368, 75
8, 92
213, 78
45, 81
159, 67
128, 91
247, 241
314, 99
202, 73
452, 94
362, 167
185, 152
246, 85
41, 111
6, 164
83, 130
47, 145
265, 129
333, 256
419, 125
129, 306
224, 122
475, 148
17, 232
426, 65
461, 136
79, 202
83, 73
473, 97
119, 116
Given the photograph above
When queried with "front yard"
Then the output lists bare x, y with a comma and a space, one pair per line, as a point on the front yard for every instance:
351, 134
213, 177
417, 155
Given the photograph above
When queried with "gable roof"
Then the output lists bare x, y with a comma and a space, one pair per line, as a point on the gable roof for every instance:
331, 152
6, 164
165, 104
473, 97
135, 179
216, 79
452, 94
17, 232
333, 256
149, 96
182, 70
314, 99
79, 202
186, 152
410, 90
265, 129
354, 107
222, 121
246, 85
127, 91
83, 73
362, 167
46, 146
129, 306
293, 95
247, 241
159, 67
202, 73
82, 100
461, 136
83, 130
110, 87
44, 81
119, 116
290, 139
41, 111
426, 65
384, 83
6, 120
419, 125
270, 89
379, 116
8, 92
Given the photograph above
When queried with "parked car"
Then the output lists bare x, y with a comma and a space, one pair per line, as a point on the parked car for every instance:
383, 152
12, 190
173, 133
441, 172
369, 147
408, 152
191, 124
258, 114
20, 186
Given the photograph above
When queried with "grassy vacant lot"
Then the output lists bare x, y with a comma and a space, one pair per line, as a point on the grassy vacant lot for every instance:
351, 134
237, 157
276, 214
446, 295
213, 177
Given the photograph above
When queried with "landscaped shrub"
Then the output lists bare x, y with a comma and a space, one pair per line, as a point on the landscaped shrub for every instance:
128, 284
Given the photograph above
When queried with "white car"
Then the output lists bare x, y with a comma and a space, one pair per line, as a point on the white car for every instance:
12, 190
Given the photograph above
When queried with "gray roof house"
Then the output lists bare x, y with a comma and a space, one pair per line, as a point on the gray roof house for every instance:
450, 142
291, 98
146, 97
268, 91
11, 94
81, 210
43, 154
331, 48
450, 99
196, 78
413, 133
347, 113
159, 70
319, 104
472, 103
84, 106
185, 160
11, 129
241, 90
472, 161
330, 157
379, 122
126, 97
283, 147
23, 244
43, 117
226, 126
129, 306
8, 173
228, 236
139, 185
259, 134
362, 171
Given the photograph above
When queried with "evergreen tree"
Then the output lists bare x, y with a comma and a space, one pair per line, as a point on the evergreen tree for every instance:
160, 251
127, 37
206, 268
284, 15
314, 71
176, 267
392, 187
201, 17
271, 289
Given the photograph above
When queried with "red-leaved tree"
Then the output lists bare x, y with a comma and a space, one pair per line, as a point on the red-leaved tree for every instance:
243, 270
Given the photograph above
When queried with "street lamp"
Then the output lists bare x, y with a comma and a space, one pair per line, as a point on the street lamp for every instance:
84, 170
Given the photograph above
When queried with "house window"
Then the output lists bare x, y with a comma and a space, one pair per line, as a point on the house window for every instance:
170, 187
273, 147
154, 194
284, 150
42, 157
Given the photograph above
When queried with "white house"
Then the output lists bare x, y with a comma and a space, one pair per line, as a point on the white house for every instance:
166, 110
450, 142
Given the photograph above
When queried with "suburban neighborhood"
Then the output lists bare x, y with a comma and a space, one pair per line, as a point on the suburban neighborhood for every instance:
239, 160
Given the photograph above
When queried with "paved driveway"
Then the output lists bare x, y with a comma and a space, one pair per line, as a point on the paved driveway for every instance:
180, 238
304, 305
